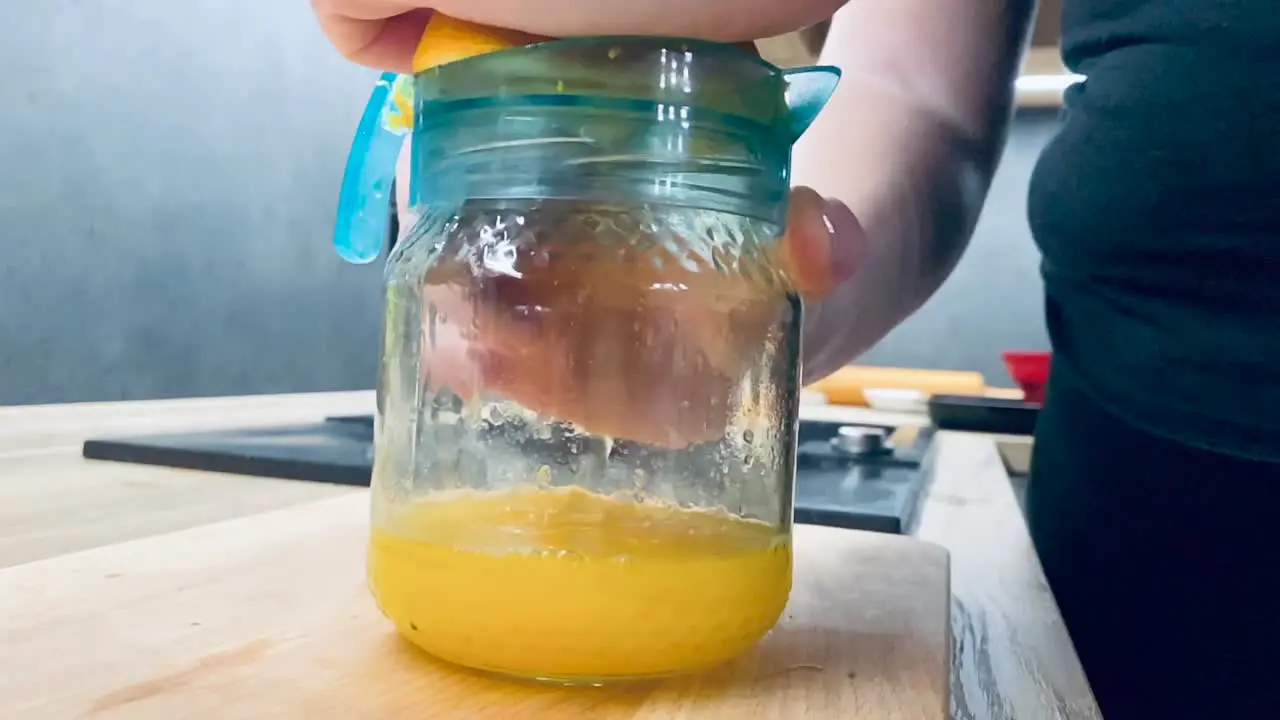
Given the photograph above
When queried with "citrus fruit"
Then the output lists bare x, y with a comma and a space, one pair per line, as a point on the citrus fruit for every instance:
447, 39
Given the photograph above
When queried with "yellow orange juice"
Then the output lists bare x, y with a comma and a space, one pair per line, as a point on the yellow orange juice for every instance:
564, 584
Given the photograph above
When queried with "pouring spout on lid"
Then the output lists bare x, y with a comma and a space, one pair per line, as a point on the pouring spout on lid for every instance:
808, 90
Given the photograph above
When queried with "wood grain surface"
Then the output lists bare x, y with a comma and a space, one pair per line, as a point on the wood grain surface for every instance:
268, 616
1012, 658
53, 502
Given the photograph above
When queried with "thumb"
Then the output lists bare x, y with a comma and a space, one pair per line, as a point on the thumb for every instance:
381, 34
824, 243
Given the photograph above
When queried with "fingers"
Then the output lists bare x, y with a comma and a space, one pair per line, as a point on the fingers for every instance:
659, 394
616, 342
594, 339
382, 34
824, 243
721, 20
608, 370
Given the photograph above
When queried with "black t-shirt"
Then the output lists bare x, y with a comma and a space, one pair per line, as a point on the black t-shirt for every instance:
1157, 210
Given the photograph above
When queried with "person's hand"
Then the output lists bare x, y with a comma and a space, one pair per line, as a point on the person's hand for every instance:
384, 33
606, 342
598, 334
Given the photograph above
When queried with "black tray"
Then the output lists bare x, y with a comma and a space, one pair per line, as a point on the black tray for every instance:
986, 415
879, 494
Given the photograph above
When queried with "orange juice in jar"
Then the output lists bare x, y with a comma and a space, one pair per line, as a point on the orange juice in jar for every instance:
585, 449
568, 585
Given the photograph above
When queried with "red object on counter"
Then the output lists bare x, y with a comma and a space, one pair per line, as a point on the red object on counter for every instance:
1031, 371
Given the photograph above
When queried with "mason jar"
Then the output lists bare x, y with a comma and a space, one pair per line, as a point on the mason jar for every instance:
586, 429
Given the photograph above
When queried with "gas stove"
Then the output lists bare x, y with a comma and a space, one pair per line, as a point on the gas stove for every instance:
847, 475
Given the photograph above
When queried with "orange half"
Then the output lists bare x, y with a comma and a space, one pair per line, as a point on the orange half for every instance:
448, 39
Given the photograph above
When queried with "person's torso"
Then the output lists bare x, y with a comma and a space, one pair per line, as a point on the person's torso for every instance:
1157, 209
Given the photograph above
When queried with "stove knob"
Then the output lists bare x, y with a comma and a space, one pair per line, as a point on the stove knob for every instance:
861, 441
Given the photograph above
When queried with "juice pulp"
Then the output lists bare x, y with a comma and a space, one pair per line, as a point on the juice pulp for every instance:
563, 584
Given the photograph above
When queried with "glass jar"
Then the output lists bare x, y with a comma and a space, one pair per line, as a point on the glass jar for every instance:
585, 441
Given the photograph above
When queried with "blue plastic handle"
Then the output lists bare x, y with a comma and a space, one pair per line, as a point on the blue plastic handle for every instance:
364, 205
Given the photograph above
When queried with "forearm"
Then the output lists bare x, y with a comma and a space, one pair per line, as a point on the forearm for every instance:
909, 142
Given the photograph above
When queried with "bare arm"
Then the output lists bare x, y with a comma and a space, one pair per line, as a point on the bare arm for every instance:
909, 142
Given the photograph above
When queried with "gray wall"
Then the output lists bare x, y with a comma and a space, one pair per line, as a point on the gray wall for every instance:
993, 300
168, 176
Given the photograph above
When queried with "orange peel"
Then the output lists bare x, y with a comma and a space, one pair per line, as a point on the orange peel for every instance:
448, 39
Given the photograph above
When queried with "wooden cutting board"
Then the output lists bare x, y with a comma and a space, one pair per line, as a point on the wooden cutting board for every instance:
268, 617
846, 386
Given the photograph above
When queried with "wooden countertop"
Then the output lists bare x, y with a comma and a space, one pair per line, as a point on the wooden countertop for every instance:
268, 616
65, 522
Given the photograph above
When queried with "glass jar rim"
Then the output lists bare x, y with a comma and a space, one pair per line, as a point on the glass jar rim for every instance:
723, 82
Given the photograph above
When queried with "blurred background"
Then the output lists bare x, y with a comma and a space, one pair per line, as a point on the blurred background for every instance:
168, 179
